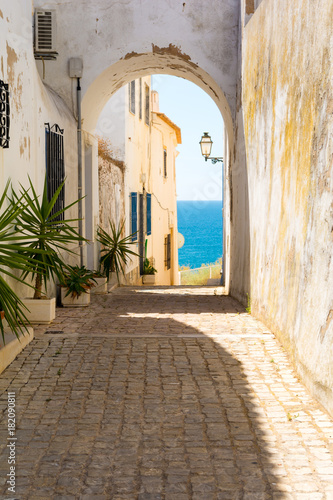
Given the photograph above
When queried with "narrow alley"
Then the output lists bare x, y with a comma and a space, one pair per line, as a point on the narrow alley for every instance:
165, 393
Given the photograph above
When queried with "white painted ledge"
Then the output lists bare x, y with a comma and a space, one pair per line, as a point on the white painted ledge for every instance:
13, 347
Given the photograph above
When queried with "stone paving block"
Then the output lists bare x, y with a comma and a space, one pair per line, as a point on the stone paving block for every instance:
170, 394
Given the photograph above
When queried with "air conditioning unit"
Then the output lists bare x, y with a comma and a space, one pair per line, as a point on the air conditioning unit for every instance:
45, 32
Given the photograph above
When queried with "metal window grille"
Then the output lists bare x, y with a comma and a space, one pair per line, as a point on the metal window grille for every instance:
167, 251
148, 205
134, 215
131, 91
55, 167
147, 108
165, 159
140, 98
4, 115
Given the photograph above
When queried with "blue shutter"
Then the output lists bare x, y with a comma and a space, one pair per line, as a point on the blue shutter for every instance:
134, 215
148, 213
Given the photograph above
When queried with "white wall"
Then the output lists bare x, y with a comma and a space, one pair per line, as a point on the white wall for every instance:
32, 105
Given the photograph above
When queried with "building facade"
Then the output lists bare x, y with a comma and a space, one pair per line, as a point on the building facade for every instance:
145, 141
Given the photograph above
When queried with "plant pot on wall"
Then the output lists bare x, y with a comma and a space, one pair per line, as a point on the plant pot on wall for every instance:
82, 300
148, 279
41, 311
76, 283
101, 286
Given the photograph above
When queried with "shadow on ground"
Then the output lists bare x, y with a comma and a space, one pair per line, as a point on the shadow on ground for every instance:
163, 415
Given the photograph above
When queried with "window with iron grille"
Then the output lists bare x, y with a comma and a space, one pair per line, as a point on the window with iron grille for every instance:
167, 251
165, 159
147, 106
55, 166
4, 115
131, 96
134, 215
148, 206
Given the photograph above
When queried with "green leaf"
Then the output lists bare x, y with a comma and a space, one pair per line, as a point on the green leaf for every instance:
116, 249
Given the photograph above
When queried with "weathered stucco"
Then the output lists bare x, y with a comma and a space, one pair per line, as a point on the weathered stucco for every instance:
122, 41
287, 108
32, 105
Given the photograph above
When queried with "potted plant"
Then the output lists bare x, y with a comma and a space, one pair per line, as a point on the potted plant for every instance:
48, 233
13, 310
148, 274
148, 277
101, 286
76, 283
116, 250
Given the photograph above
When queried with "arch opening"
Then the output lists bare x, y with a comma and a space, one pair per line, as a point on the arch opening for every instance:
135, 66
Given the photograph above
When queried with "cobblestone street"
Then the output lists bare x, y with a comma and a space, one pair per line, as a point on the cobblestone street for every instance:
162, 393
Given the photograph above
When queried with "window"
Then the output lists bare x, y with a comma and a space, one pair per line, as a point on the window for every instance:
4, 115
148, 203
165, 159
140, 98
147, 106
167, 251
131, 96
55, 166
134, 215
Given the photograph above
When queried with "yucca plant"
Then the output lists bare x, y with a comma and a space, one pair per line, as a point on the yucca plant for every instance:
48, 234
11, 258
116, 249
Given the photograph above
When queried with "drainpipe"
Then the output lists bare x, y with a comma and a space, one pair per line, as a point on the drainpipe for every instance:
79, 164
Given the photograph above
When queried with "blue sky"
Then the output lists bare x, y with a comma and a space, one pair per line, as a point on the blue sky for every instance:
194, 112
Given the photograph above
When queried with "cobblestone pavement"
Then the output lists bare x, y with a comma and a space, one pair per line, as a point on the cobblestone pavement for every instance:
163, 393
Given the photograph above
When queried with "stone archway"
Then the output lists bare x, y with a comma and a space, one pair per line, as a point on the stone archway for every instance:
169, 61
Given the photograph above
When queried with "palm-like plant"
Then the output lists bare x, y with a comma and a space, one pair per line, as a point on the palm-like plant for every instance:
10, 259
115, 249
47, 234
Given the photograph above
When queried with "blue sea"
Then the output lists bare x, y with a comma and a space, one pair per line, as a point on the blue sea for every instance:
200, 222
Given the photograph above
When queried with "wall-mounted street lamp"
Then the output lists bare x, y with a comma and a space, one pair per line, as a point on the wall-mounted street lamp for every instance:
206, 148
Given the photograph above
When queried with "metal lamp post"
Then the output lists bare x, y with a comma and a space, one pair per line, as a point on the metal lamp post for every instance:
206, 148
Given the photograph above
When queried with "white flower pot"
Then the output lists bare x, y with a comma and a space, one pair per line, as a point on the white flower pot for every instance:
40, 310
100, 287
82, 301
148, 279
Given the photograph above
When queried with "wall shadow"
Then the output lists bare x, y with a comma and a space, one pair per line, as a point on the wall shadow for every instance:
143, 413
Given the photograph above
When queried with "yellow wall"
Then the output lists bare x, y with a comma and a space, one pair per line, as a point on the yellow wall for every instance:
287, 109
164, 202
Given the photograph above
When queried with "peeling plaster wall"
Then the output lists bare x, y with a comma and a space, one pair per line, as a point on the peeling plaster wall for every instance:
111, 193
186, 35
288, 118
32, 104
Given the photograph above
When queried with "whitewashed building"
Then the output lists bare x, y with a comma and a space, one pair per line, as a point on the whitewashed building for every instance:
145, 140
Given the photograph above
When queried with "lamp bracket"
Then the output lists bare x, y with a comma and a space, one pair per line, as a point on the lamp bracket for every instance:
214, 159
